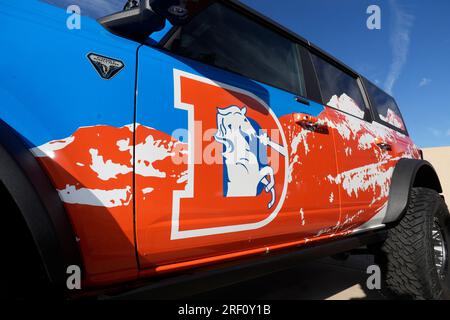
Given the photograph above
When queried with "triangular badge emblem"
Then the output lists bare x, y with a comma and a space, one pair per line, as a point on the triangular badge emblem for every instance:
105, 67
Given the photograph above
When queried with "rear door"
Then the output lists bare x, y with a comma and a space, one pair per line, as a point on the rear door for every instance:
223, 167
366, 150
387, 114
393, 142
357, 159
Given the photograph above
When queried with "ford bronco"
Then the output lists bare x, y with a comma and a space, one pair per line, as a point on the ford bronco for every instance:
189, 144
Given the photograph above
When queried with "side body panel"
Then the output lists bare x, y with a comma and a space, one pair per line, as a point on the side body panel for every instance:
190, 207
72, 120
185, 216
194, 203
365, 170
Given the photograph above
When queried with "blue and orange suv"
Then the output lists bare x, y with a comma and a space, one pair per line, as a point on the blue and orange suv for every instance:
198, 141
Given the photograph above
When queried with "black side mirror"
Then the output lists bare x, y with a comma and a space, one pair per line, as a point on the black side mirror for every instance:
137, 22
175, 11
141, 18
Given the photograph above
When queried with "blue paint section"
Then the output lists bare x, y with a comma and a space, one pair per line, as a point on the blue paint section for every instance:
48, 87
314, 109
156, 89
257, 148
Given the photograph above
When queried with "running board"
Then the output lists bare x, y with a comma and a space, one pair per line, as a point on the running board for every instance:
205, 279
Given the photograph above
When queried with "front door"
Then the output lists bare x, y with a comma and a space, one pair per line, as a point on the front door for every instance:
223, 166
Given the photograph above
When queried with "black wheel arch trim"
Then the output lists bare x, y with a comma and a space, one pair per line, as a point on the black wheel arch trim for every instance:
40, 206
409, 173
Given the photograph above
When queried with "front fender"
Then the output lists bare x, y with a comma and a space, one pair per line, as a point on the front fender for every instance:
409, 173
39, 204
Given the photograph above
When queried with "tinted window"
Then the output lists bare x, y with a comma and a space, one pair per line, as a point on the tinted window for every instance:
385, 106
339, 89
92, 8
229, 40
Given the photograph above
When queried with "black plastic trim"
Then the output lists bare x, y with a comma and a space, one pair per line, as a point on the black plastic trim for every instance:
310, 76
217, 276
368, 115
39, 204
409, 173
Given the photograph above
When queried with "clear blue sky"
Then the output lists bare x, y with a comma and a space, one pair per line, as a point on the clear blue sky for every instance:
409, 56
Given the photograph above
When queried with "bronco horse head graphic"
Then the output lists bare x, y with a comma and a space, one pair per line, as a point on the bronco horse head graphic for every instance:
245, 173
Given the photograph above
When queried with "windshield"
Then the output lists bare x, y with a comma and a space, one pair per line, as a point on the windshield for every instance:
92, 8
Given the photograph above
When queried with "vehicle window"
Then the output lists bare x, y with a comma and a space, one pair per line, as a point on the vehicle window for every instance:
92, 8
339, 89
224, 38
385, 106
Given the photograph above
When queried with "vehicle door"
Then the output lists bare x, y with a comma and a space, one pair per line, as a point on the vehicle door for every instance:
363, 157
227, 157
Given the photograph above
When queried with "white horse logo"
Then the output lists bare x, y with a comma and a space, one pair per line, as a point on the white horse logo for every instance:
244, 170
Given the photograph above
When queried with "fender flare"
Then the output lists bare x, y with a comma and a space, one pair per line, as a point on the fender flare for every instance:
40, 206
409, 173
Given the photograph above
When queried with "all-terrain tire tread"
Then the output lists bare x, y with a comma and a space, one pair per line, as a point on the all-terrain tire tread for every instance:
409, 268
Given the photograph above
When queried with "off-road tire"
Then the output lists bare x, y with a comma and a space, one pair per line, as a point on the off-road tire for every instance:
407, 257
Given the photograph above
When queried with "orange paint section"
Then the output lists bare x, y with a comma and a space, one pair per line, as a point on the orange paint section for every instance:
365, 170
305, 211
336, 180
100, 207
232, 256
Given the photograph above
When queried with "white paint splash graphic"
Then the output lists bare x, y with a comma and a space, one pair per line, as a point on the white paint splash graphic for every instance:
329, 230
393, 119
346, 104
349, 127
300, 137
366, 141
302, 216
365, 178
183, 177
106, 169
147, 190
96, 197
348, 219
291, 168
148, 152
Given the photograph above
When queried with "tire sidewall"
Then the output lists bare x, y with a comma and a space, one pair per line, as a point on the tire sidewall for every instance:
443, 218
